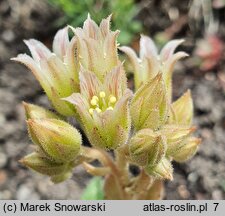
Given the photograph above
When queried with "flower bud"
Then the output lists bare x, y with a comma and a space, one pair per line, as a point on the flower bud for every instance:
36, 112
183, 110
163, 170
147, 148
175, 137
57, 139
97, 46
188, 150
149, 105
43, 165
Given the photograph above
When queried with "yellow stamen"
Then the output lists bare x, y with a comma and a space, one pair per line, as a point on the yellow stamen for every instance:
102, 94
112, 99
95, 97
109, 108
98, 110
91, 110
94, 102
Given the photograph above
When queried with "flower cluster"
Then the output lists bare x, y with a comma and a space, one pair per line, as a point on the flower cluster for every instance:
163, 128
84, 78
58, 144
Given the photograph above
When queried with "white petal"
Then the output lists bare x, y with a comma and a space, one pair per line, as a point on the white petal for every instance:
33, 66
116, 82
168, 50
71, 59
105, 26
132, 57
147, 47
61, 42
89, 83
38, 50
91, 28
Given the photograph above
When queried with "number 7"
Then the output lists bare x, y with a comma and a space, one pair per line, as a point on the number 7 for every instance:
216, 205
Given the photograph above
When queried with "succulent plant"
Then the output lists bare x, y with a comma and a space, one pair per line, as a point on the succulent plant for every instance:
84, 78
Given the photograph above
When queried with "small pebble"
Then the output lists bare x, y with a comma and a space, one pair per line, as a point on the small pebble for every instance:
5, 195
8, 36
3, 177
217, 195
26, 193
183, 192
3, 159
193, 177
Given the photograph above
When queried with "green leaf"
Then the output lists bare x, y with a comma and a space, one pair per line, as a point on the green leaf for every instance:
135, 26
125, 37
94, 190
75, 12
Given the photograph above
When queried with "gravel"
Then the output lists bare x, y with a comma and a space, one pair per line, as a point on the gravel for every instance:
200, 178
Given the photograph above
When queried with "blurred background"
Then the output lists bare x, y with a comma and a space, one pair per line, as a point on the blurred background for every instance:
200, 22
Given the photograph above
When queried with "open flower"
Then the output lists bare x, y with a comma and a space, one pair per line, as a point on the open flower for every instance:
103, 107
56, 72
150, 63
97, 46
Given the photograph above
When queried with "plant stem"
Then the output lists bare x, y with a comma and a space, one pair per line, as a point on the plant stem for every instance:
141, 185
122, 164
120, 176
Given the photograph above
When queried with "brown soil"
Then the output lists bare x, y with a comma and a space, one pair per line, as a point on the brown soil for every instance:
203, 177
